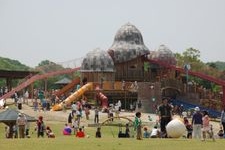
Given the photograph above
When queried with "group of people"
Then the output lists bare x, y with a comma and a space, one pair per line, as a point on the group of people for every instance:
198, 127
23, 127
155, 132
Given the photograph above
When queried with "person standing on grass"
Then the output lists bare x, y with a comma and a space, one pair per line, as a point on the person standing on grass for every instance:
21, 124
96, 119
205, 126
138, 125
40, 127
71, 117
165, 116
87, 112
197, 123
222, 121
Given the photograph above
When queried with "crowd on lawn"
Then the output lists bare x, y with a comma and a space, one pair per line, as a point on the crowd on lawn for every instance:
198, 126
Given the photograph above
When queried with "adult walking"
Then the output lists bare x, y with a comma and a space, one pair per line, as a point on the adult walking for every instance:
165, 116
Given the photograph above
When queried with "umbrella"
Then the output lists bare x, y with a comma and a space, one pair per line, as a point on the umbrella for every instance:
9, 117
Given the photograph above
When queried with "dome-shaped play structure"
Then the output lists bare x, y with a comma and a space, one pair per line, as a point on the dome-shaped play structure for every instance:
163, 54
97, 61
128, 44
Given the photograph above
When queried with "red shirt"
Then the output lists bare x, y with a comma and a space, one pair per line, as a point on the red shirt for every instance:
80, 134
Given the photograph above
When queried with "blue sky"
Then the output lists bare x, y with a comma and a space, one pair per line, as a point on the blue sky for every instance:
62, 30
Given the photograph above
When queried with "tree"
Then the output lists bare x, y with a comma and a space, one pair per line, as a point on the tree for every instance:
10, 64
191, 55
48, 66
212, 65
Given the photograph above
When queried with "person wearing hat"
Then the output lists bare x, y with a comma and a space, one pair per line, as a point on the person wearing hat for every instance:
21, 122
165, 115
197, 123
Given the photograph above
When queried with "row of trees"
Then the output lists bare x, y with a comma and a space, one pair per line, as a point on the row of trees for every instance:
44, 66
191, 56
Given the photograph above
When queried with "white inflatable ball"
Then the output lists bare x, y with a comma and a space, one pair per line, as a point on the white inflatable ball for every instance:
175, 128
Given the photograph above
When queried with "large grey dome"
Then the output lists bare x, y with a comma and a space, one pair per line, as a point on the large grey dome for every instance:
128, 44
163, 54
97, 61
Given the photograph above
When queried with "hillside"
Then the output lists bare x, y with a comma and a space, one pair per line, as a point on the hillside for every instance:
220, 65
9, 64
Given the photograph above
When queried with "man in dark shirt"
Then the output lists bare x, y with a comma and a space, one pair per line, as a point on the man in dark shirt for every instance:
197, 123
165, 115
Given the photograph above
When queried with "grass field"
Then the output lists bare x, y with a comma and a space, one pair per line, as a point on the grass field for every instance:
107, 142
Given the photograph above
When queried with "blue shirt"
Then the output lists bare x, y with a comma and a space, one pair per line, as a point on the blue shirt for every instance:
197, 118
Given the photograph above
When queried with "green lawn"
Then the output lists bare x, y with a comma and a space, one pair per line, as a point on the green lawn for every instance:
107, 142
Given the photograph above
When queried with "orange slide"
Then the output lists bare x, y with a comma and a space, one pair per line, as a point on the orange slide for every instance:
74, 96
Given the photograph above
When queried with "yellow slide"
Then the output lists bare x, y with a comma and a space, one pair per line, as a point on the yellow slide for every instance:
74, 96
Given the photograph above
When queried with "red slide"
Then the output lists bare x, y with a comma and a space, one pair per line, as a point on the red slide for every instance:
103, 99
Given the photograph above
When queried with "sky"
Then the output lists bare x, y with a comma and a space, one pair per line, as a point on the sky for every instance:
65, 30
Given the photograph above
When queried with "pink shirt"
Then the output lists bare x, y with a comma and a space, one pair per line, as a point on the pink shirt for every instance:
205, 122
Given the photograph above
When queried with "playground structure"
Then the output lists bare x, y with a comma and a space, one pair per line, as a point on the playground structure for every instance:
68, 87
74, 96
115, 71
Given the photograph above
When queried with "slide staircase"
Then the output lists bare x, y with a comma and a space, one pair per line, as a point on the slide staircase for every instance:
68, 87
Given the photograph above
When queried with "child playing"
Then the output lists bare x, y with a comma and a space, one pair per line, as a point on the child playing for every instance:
67, 130
80, 133
155, 132
49, 132
207, 128
138, 125
98, 133
188, 128
146, 134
